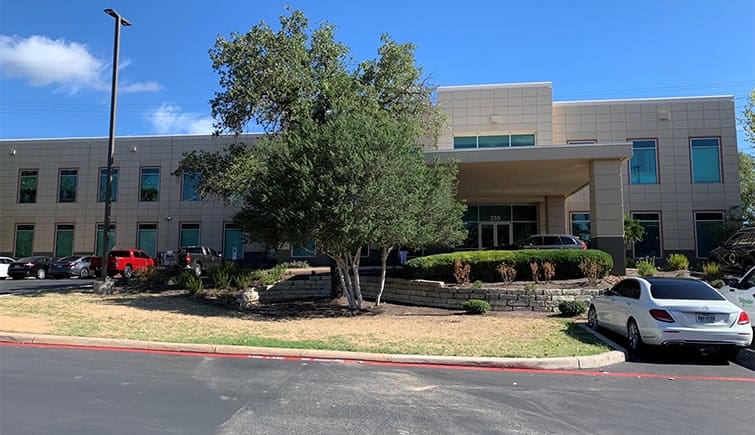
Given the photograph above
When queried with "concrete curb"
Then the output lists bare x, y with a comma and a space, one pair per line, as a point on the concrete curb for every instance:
564, 363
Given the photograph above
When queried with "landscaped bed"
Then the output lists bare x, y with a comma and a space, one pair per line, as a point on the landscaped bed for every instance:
173, 316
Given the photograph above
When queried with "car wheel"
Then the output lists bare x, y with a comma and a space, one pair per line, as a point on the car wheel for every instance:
728, 353
198, 269
128, 272
592, 318
633, 337
84, 273
41, 274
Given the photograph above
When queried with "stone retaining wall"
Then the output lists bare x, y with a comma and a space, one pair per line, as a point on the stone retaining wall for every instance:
427, 293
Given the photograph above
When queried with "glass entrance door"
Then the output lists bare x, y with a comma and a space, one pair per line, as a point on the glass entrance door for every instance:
495, 235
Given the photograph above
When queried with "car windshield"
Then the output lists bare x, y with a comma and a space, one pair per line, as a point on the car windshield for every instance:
120, 254
683, 289
192, 250
65, 259
28, 259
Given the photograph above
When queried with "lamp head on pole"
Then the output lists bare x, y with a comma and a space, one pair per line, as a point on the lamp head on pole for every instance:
117, 16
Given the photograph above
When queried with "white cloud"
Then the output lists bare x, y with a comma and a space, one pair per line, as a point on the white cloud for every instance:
43, 62
149, 86
170, 119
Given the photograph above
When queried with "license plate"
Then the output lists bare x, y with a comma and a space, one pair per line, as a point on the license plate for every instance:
706, 318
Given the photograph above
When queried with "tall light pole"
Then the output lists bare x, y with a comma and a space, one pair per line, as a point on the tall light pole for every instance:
119, 21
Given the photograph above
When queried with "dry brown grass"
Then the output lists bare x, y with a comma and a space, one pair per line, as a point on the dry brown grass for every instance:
174, 317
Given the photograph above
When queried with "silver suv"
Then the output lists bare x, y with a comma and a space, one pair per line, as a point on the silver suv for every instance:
551, 241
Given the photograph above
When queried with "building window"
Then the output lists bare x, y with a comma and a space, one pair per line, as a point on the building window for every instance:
27, 186
67, 185
64, 240
708, 230
494, 141
524, 221
309, 249
99, 239
189, 235
706, 160
24, 241
190, 187
146, 239
581, 142
580, 225
643, 166
233, 243
103, 185
650, 245
149, 187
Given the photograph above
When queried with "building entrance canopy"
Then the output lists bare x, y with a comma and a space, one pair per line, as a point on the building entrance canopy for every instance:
525, 174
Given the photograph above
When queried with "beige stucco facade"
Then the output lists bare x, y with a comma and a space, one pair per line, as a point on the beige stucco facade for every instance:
574, 161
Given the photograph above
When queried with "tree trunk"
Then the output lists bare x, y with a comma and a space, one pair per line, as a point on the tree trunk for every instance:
383, 267
343, 275
357, 284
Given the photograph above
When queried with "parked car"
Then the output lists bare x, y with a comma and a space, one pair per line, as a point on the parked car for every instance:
737, 254
671, 311
198, 258
126, 261
4, 263
75, 265
36, 266
741, 292
551, 241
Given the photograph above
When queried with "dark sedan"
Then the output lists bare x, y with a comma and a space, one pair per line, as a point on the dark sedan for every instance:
37, 267
76, 265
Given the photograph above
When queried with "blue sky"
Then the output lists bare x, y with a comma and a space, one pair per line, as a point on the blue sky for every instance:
55, 57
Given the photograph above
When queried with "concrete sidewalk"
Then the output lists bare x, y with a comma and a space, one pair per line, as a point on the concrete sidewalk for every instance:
563, 363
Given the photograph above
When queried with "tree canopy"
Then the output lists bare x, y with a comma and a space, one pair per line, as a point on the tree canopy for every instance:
341, 161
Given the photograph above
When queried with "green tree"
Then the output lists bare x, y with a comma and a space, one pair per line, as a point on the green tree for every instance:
748, 118
341, 161
747, 186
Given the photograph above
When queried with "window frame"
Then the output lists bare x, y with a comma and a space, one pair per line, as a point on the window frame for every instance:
660, 230
509, 137
582, 142
96, 234
141, 183
314, 250
138, 234
181, 226
60, 185
55, 241
184, 175
692, 161
36, 185
694, 226
657, 161
589, 224
101, 188
15, 238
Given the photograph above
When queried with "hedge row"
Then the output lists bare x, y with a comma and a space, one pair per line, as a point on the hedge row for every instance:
484, 264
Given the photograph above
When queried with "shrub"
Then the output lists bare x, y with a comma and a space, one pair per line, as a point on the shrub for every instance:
484, 264
572, 308
477, 284
530, 286
507, 272
591, 270
717, 283
549, 270
221, 275
712, 271
189, 281
270, 276
476, 306
678, 262
147, 278
461, 272
535, 269
242, 279
297, 264
646, 267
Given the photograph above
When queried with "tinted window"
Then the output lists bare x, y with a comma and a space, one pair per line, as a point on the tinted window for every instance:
568, 241
683, 289
120, 254
551, 241
192, 250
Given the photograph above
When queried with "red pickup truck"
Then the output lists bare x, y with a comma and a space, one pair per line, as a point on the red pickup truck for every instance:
126, 261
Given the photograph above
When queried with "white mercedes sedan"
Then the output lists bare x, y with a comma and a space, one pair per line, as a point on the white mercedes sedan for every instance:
671, 311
